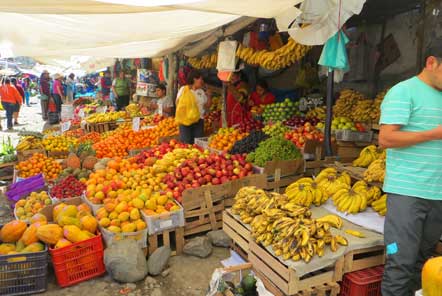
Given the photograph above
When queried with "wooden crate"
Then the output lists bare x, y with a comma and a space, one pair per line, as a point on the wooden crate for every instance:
364, 258
171, 238
58, 154
239, 233
26, 154
286, 278
7, 166
101, 127
280, 182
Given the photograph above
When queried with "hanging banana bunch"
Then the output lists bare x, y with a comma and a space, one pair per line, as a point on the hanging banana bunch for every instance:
207, 61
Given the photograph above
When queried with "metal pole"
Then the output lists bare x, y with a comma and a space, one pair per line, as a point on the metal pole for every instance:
329, 114
224, 105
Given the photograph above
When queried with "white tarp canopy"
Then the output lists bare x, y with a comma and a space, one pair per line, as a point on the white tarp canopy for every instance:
51, 29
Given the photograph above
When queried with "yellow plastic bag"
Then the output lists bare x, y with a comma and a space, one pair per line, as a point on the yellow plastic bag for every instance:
187, 111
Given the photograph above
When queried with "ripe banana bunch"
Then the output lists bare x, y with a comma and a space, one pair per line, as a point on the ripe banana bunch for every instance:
330, 182
29, 143
304, 192
274, 60
205, 62
366, 156
351, 201
375, 112
380, 205
373, 192
361, 110
345, 103
318, 112
332, 220
375, 171
244, 196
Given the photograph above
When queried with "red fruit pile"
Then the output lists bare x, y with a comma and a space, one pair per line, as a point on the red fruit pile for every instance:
213, 169
69, 187
300, 135
250, 124
145, 157
298, 121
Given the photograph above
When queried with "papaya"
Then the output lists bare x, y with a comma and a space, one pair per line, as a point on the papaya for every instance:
30, 234
89, 223
70, 211
62, 243
57, 210
50, 233
20, 246
84, 208
5, 248
35, 247
38, 218
74, 234
64, 220
12, 231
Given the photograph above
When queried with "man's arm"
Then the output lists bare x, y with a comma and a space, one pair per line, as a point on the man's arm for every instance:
391, 136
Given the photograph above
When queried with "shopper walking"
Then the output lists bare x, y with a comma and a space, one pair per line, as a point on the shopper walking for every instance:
121, 90
22, 94
27, 89
195, 82
70, 88
45, 93
10, 98
57, 92
411, 118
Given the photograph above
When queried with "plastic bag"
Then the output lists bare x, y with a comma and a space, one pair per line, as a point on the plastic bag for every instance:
187, 111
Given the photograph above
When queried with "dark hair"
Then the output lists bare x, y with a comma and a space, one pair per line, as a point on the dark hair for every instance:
72, 75
13, 80
194, 74
263, 84
7, 81
434, 49
162, 87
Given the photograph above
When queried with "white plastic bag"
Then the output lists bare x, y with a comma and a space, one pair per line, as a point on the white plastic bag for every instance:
227, 56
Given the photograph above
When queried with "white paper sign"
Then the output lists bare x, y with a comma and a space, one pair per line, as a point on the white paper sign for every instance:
65, 126
136, 124
81, 113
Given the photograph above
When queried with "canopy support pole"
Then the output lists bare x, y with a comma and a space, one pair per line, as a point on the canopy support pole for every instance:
329, 114
224, 106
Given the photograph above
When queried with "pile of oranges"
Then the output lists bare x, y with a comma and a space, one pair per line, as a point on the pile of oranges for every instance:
37, 164
226, 138
93, 137
76, 133
59, 143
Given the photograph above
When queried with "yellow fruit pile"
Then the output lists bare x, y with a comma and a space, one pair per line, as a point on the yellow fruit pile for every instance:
133, 110
17, 237
274, 60
375, 171
362, 110
305, 192
39, 163
29, 143
225, 138
347, 100
26, 208
207, 61
380, 205
59, 143
375, 113
367, 156
121, 215
318, 112
106, 117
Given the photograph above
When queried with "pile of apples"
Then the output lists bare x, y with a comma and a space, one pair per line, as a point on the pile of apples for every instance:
300, 135
298, 121
250, 124
212, 169
148, 157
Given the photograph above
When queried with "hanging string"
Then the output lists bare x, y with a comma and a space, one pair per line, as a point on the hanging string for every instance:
339, 20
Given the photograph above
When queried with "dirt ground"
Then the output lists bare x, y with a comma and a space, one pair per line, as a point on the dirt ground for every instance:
185, 276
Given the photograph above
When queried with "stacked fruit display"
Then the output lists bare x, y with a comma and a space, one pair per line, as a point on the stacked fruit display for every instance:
92, 137
59, 143
280, 111
122, 214
380, 205
276, 130
210, 169
299, 136
250, 124
217, 103
318, 112
205, 62
276, 148
225, 138
37, 164
249, 143
106, 117
368, 155
342, 123
212, 121
375, 171
26, 208
298, 121
152, 119
305, 192
133, 110
79, 174
287, 227
362, 110
67, 188
29, 143
149, 157
17, 237
348, 99
375, 113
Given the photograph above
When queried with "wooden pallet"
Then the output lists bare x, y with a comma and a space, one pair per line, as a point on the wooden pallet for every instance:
286, 278
239, 234
101, 127
364, 258
170, 238
355, 173
26, 154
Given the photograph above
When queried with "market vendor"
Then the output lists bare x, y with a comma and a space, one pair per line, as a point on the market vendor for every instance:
106, 85
195, 82
411, 131
121, 90
261, 95
237, 97
164, 102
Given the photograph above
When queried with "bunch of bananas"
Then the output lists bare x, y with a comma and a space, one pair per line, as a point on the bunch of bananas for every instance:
105, 117
375, 113
318, 112
373, 192
29, 143
367, 156
380, 205
274, 60
351, 200
306, 192
345, 103
207, 61
375, 171
331, 182
133, 110
362, 110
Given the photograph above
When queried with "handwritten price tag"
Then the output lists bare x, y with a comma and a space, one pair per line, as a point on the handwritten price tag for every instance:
65, 126
136, 124
81, 113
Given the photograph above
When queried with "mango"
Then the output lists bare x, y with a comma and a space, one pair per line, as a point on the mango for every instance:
113, 215
74, 234
64, 220
121, 207
124, 216
138, 203
20, 246
134, 214
129, 227
151, 204
104, 222
62, 243
70, 211
114, 229
140, 225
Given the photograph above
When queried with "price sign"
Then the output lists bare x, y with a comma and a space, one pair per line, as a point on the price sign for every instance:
81, 113
65, 126
136, 124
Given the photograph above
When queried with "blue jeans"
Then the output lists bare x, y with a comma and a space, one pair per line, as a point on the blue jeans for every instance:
26, 98
10, 109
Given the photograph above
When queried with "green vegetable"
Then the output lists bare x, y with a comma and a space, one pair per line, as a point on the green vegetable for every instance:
248, 284
276, 148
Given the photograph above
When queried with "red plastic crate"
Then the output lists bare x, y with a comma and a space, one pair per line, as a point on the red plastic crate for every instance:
365, 282
78, 262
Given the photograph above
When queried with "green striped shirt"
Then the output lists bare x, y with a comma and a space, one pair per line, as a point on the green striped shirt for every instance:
415, 170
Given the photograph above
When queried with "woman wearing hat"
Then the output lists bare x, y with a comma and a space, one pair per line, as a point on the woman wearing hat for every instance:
57, 91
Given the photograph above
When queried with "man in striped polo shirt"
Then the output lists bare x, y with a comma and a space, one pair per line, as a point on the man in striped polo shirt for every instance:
411, 119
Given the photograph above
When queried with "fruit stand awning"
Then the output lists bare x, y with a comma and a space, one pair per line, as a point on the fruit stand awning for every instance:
51, 29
